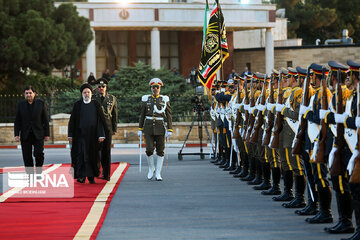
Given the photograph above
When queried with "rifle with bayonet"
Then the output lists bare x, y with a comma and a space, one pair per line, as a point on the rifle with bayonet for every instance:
300, 136
251, 115
246, 103
336, 168
260, 117
279, 117
271, 116
236, 133
355, 176
320, 155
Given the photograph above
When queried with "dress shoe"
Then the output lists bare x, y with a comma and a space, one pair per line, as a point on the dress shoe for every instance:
265, 185
236, 171
341, 227
297, 202
222, 162
248, 178
226, 165
272, 191
91, 180
256, 181
286, 196
244, 172
105, 178
232, 168
356, 236
320, 217
81, 180
310, 209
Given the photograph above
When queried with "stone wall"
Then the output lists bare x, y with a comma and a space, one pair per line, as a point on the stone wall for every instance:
127, 132
295, 56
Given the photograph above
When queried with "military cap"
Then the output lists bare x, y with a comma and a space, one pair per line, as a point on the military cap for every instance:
284, 72
102, 81
292, 71
259, 76
85, 85
302, 72
317, 68
275, 72
354, 66
230, 82
156, 81
336, 66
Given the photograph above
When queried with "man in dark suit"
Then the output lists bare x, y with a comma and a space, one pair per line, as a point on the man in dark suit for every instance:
31, 127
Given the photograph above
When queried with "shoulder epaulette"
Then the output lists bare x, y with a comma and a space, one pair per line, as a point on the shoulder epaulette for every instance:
165, 98
145, 98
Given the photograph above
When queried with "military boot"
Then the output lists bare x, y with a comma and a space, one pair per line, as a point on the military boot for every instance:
324, 215
233, 162
259, 176
345, 209
287, 195
356, 235
227, 159
150, 160
299, 200
275, 189
266, 183
251, 174
245, 166
311, 207
159, 164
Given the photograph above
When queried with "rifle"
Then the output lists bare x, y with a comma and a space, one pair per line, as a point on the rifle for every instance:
246, 102
236, 133
355, 176
336, 168
268, 130
300, 136
260, 117
320, 155
276, 134
251, 116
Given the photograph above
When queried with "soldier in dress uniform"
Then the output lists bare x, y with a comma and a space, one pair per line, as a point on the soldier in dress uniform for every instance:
339, 177
290, 111
312, 202
108, 105
312, 115
353, 122
155, 109
272, 154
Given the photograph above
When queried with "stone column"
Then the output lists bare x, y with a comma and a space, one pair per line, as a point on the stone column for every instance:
269, 51
91, 58
155, 48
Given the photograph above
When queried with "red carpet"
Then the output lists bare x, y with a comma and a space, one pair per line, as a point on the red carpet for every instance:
60, 218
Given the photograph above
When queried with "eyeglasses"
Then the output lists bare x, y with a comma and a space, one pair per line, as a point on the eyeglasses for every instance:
102, 86
155, 86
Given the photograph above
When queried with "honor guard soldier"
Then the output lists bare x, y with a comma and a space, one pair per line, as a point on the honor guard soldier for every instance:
353, 122
155, 109
340, 153
312, 203
108, 105
319, 166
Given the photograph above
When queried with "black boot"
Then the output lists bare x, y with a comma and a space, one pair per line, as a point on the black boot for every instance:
311, 207
275, 189
356, 236
251, 174
245, 166
345, 209
299, 200
266, 183
324, 215
287, 195
259, 178
233, 162
227, 159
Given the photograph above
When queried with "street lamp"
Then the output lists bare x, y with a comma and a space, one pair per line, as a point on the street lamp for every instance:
72, 73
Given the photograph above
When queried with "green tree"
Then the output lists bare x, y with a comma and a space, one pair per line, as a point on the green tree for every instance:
36, 36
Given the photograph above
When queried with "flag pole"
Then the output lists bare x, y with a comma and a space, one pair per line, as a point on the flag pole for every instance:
221, 54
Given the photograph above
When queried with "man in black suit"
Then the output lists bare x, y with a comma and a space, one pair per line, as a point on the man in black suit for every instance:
31, 127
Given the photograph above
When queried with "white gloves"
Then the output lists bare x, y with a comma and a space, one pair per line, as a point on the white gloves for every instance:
332, 156
323, 113
279, 107
303, 109
357, 121
237, 106
270, 106
351, 164
168, 134
247, 107
261, 108
140, 133
252, 109
340, 118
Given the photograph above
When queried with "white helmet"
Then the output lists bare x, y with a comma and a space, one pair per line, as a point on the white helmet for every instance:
156, 81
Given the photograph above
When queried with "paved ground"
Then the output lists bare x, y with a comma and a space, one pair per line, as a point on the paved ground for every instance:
196, 200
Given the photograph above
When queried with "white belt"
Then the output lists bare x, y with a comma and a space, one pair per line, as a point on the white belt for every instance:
154, 118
